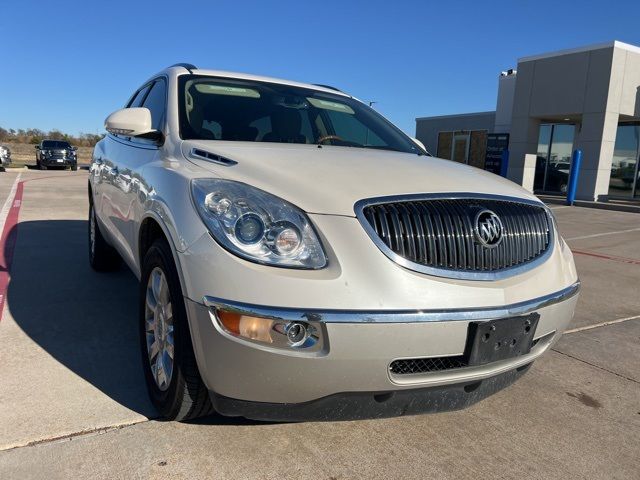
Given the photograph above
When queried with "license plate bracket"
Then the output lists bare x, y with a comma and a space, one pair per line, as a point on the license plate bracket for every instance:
501, 339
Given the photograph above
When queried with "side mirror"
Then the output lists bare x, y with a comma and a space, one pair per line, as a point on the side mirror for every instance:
419, 143
37, 147
74, 148
132, 122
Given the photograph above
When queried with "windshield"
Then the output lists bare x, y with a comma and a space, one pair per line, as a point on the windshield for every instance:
224, 109
53, 144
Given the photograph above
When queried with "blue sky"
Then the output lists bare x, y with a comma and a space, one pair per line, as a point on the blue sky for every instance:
68, 64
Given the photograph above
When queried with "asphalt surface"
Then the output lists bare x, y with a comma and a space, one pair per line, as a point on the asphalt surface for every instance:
73, 402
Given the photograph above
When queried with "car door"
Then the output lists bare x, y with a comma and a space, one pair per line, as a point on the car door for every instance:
106, 181
132, 155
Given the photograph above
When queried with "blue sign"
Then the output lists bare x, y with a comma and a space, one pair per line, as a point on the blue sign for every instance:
497, 143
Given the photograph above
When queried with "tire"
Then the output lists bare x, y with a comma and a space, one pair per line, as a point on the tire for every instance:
102, 256
42, 167
74, 168
181, 394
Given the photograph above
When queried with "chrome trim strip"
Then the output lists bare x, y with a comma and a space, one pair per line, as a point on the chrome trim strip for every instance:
444, 272
211, 157
392, 316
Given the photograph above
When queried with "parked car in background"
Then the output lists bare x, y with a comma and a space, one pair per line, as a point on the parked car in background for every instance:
5, 156
557, 176
300, 257
564, 167
56, 153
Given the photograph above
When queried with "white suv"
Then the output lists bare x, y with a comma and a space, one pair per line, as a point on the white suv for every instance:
300, 257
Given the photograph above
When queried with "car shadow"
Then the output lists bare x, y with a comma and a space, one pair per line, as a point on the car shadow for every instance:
85, 320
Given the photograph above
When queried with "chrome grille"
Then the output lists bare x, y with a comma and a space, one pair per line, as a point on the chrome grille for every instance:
56, 154
439, 234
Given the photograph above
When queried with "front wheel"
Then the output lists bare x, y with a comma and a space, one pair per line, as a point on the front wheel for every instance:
172, 376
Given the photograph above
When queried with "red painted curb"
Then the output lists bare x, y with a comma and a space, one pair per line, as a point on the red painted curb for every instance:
603, 256
8, 244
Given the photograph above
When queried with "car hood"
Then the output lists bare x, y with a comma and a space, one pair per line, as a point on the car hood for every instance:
330, 179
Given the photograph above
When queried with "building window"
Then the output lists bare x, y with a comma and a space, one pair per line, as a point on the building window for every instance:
624, 165
444, 145
463, 146
477, 148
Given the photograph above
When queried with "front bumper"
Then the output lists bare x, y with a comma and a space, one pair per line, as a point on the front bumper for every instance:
58, 162
353, 369
363, 405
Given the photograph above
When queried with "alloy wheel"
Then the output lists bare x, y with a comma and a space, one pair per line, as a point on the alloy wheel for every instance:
159, 329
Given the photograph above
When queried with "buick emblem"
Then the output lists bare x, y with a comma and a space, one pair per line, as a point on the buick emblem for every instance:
488, 228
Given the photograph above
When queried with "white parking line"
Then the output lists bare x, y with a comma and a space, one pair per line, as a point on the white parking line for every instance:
603, 324
594, 235
7, 204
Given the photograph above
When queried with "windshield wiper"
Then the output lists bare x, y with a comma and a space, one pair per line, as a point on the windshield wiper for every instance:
383, 147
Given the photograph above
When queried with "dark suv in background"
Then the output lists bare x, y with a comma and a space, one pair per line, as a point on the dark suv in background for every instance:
56, 153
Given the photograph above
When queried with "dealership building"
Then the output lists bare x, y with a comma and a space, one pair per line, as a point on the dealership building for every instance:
551, 104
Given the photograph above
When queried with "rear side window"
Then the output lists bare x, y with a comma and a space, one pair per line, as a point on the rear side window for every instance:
156, 102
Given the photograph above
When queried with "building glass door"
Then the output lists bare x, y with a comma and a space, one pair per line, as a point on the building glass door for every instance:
555, 145
625, 178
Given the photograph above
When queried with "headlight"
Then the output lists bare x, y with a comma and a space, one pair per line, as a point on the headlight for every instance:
256, 225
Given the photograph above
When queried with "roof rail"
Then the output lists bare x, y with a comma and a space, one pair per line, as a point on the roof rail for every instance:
188, 66
329, 87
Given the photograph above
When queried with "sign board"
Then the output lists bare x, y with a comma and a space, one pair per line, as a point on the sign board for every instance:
497, 143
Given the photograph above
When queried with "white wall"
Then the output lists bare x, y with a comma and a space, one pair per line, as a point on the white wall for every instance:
504, 105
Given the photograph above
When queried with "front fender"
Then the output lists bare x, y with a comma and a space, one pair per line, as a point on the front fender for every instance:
164, 195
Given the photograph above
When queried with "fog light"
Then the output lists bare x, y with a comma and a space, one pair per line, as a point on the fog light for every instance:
278, 333
296, 333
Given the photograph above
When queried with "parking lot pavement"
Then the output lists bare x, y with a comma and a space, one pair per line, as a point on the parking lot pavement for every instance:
61, 336
73, 403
